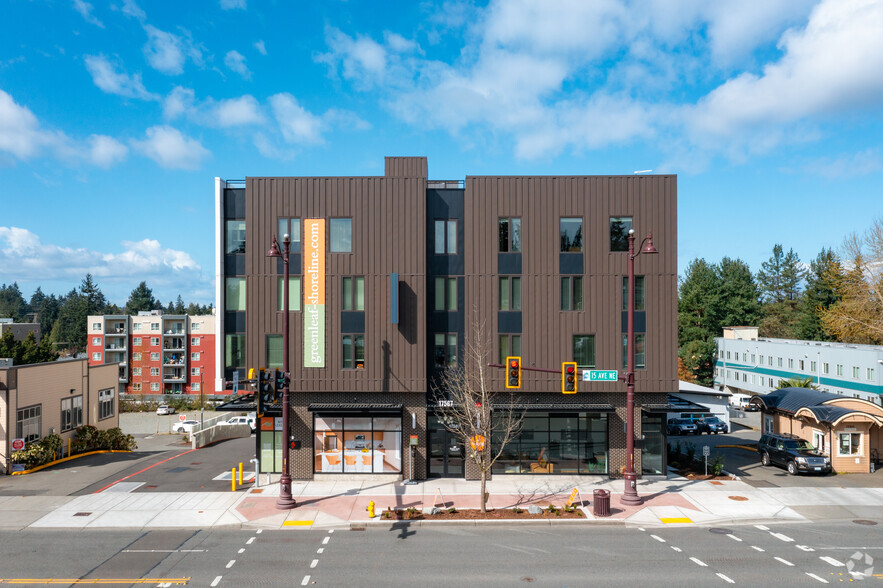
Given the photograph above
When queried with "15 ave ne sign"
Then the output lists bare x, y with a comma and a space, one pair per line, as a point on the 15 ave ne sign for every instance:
599, 375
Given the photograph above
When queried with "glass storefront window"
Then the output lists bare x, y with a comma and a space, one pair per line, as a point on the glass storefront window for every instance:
652, 453
357, 444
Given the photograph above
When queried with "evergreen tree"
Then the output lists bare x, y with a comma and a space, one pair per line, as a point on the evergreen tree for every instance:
70, 327
47, 313
698, 303
739, 305
193, 309
779, 280
33, 352
12, 303
179, 305
96, 303
140, 299
820, 294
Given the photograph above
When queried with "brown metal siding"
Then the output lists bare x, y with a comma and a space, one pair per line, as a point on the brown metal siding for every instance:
388, 220
405, 167
546, 331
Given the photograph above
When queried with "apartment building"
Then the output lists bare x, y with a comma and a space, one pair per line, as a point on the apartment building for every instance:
156, 353
390, 277
748, 364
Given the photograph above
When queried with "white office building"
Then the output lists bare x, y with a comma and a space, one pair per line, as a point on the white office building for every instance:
748, 364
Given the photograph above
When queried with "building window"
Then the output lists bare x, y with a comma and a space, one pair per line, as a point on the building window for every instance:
154, 326
640, 353
446, 237
154, 356
584, 350
194, 356
728, 355
235, 236
136, 356
855, 372
571, 234
850, 444
154, 341
752, 358
154, 387
619, 232
71, 413
195, 387
96, 356
195, 326
136, 327
292, 227
826, 368
800, 365
353, 293
639, 295
96, 326
770, 360
341, 235
154, 371
839, 369
234, 351
194, 371
780, 362
445, 349
234, 298
510, 293
509, 345
293, 293
96, 340
445, 294
354, 351
870, 373
790, 363
274, 351
136, 371
761, 360
510, 235
745, 377
351, 444
812, 366
28, 422
136, 340
571, 293
136, 387
194, 341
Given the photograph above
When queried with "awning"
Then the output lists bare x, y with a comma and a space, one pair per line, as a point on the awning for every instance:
557, 407
246, 402
675, 404
358, 408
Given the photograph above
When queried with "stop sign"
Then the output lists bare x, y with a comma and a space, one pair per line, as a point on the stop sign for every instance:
18, 444
182, 417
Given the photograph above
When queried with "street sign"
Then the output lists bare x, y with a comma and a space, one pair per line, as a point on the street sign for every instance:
573, 496
477, 442
599, 375
18, 444
235, 383
706, 450
415, 440
182, 417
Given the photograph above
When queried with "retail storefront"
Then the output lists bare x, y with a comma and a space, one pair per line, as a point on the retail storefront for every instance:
351, 441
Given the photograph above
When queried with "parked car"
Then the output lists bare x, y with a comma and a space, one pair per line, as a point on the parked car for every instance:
165, 409
243, 420
682, 427
184, 426
712, 425
793, 453
743, 402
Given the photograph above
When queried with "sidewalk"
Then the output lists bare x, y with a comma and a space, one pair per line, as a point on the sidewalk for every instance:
325, 504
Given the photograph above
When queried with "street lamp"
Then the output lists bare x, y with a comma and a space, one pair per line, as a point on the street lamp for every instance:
285, 500
631, 497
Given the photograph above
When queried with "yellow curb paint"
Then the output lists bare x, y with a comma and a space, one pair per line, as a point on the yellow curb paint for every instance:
297, 524
64, 459
745, 447
676, 520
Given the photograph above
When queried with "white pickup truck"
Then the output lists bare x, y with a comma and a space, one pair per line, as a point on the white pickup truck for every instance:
243, 420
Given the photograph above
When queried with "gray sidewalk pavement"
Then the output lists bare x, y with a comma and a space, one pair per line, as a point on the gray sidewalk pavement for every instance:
341, 503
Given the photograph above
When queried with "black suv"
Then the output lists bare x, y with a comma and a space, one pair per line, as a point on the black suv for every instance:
796, 454
712, 425
682, 427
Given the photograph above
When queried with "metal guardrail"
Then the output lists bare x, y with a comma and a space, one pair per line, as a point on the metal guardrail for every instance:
234, 183
443, 184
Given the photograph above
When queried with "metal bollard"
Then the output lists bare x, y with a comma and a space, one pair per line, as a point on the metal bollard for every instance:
233, 480
240, 473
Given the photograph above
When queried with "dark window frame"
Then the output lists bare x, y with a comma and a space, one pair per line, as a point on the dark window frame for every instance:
289, 222
448, 299
565, 245
571, 285
336, 221
621, 244
640, 351
106, 408
273, 337
227, 237
511, 339
350, 357
510, 299
590, 338
21, 419
640, 293
508, 242
443, 351
71, 415
449, 246
350, 302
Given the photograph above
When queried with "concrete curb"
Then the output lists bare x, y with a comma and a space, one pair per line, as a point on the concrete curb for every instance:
69, 458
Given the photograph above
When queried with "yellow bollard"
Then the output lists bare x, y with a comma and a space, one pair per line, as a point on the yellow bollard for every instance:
233, 480
240, 473
68, 446
371, 510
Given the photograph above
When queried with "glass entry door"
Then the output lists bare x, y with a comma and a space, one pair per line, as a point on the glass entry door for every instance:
446, 452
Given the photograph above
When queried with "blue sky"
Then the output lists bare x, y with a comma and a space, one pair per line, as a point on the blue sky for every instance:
116, 116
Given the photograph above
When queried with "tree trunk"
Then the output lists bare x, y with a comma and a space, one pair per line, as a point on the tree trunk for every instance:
483, 493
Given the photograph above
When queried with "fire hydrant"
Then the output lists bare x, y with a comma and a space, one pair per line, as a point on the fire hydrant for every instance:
371, 510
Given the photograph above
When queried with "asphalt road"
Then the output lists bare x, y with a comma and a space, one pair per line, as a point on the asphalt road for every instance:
496, 555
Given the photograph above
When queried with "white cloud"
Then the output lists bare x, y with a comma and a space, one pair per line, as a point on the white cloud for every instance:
244, 110
105, 151
232, 112
171, 149
179, 101
167, 52
296, 124
85, 10
259, 45
130, 8
362, 59
106, 76
20, 132
862, 163
23, 255
235, 61
233, 4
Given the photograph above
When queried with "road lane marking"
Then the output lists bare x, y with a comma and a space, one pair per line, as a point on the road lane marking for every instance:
726, 579
230, 563
321, 550
330, 531
250, 540
678, 549
756, 548
325, 540
804, 547
658, 538
314, 563
699, 562
641, 529
762, 527
781, 537
832, 561
734, 538
822, 580
305, 581
241, 550
259, 531
216, 580
784, 561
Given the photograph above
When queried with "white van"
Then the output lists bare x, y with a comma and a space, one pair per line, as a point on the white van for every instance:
243, 420
742, 402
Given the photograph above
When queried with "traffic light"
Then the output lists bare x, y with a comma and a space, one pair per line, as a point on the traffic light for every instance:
568, 377
265, 386
281, 381
513, 372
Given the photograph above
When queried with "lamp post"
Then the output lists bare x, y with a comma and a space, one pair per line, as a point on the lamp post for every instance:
285, 500
631, 497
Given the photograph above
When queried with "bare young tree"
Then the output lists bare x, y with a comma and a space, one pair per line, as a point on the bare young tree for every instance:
473, 407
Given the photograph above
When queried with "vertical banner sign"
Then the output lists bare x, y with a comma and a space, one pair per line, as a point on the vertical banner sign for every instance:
314, 292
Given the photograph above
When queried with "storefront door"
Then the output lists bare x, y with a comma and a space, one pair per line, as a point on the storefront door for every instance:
446, 454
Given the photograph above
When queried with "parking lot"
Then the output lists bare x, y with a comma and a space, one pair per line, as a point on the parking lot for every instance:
746, 464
